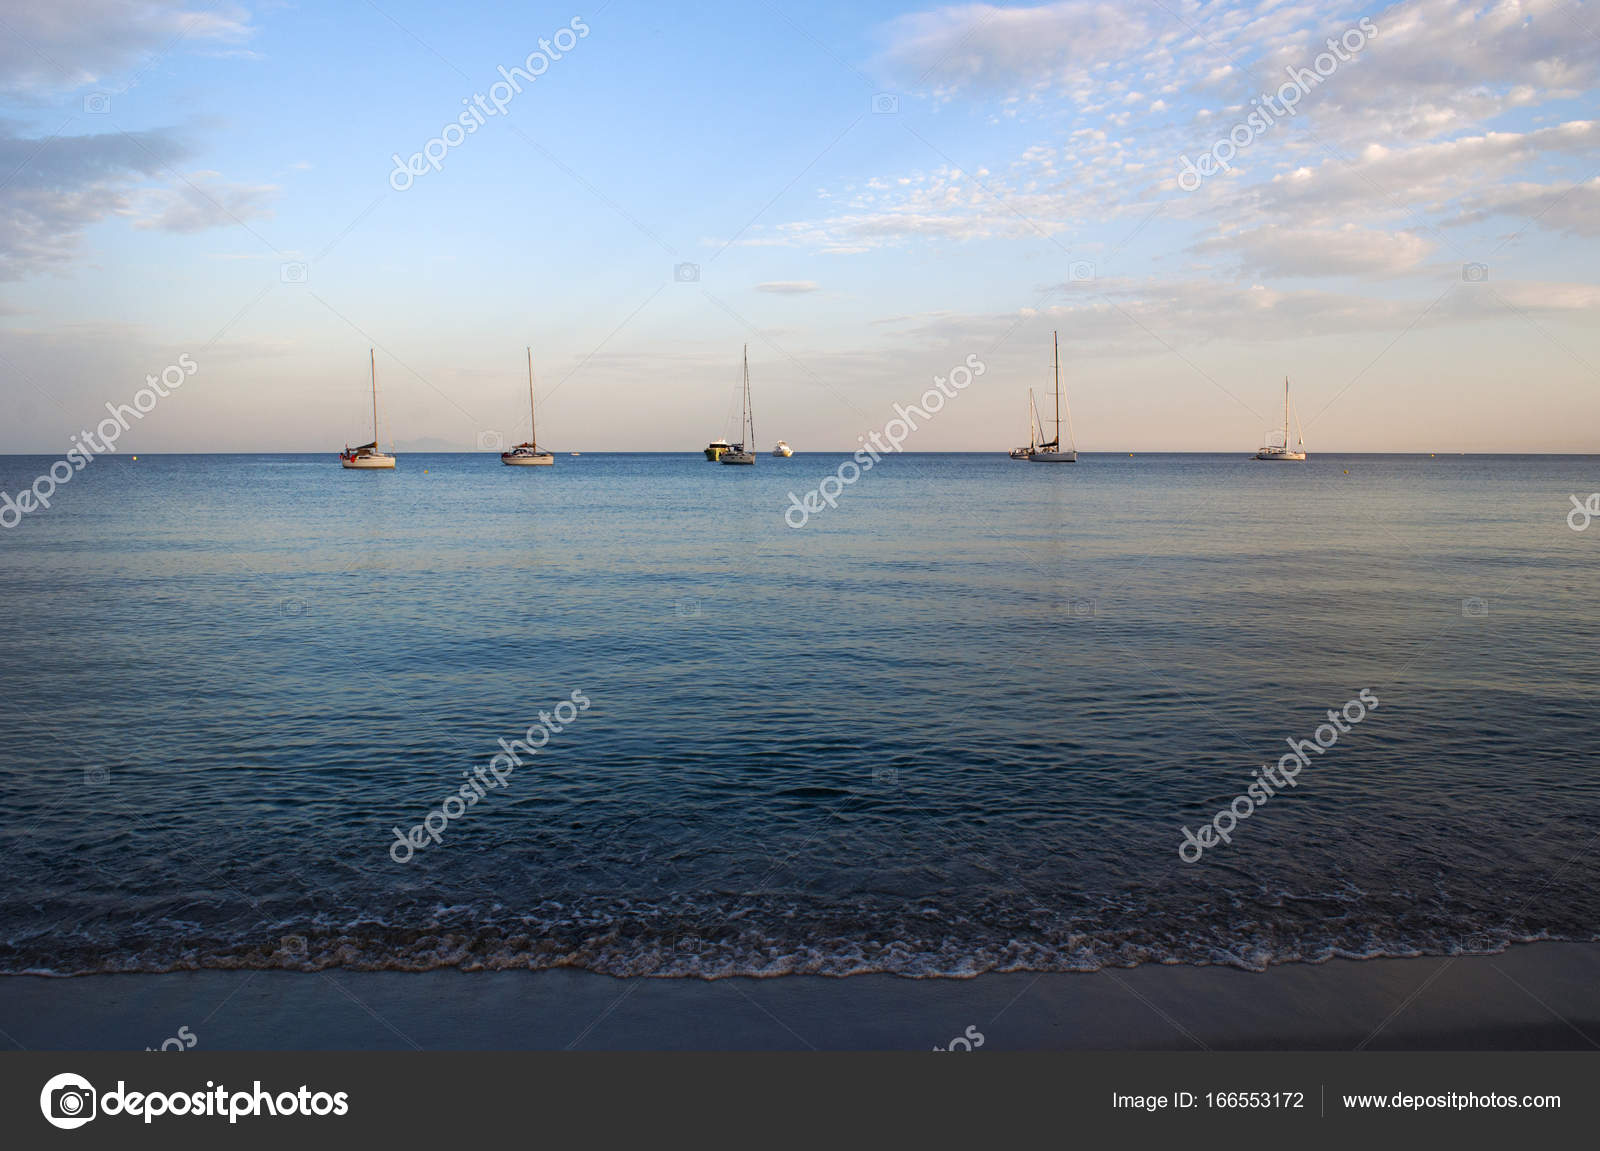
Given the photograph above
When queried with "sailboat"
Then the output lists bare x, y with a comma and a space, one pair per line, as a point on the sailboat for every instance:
740, 453
1284, 451
368, 455
1033, 432
1050, 451
528, 453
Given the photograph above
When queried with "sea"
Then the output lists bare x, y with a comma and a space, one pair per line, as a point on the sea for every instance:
962, 719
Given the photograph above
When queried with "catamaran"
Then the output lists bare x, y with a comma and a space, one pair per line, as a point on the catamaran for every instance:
739, 453
1284, 451
1033, 432
367, 455
528, 453
1050, 452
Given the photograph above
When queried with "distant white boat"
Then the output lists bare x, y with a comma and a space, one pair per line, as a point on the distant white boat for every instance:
783, 449
367, 456
528, 454
1051, 451
1033, 433
1284, 451
739, 453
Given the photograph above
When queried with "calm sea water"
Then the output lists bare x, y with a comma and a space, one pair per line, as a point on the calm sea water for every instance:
955, 724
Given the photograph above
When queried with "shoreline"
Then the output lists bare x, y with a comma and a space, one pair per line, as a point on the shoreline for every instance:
1539, 996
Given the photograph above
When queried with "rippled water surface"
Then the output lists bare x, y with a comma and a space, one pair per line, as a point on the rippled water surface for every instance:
955, 724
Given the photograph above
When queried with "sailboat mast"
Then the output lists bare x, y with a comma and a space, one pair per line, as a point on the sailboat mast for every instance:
373, 357
1286, 412
533, 432
1056, 342
750, 417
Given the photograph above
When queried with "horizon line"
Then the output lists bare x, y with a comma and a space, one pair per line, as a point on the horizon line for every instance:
1246, 452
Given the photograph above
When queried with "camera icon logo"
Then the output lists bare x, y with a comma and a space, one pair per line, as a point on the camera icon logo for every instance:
885, 104
1081, 608
886, 776
491, 441
294, 607
68, 1101
1474, 608
686, 273
687, 609
1475, 273
1080, 270
97, 103
294, 272
96, 776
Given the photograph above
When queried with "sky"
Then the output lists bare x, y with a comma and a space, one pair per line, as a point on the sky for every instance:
867, 195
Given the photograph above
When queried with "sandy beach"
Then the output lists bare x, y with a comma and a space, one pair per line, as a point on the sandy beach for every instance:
1535, 997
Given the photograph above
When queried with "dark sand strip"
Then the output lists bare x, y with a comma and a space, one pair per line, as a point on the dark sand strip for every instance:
1538, 997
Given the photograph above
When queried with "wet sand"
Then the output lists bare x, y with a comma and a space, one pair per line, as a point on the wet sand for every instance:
1543, 996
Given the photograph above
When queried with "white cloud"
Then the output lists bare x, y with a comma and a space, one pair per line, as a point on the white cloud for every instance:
1348, 251
66, 44
1434, 66
1132, 318
203, 200
787, 287
1456, 62
1385, 181
985, 46
1573, 208
60, 185
1397, 137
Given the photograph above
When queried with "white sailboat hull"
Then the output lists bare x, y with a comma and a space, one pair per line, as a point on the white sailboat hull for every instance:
528, 454
367, 457
1284, 452
1049, 452
744, 452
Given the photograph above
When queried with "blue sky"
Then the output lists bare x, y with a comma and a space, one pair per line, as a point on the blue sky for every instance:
871, 193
